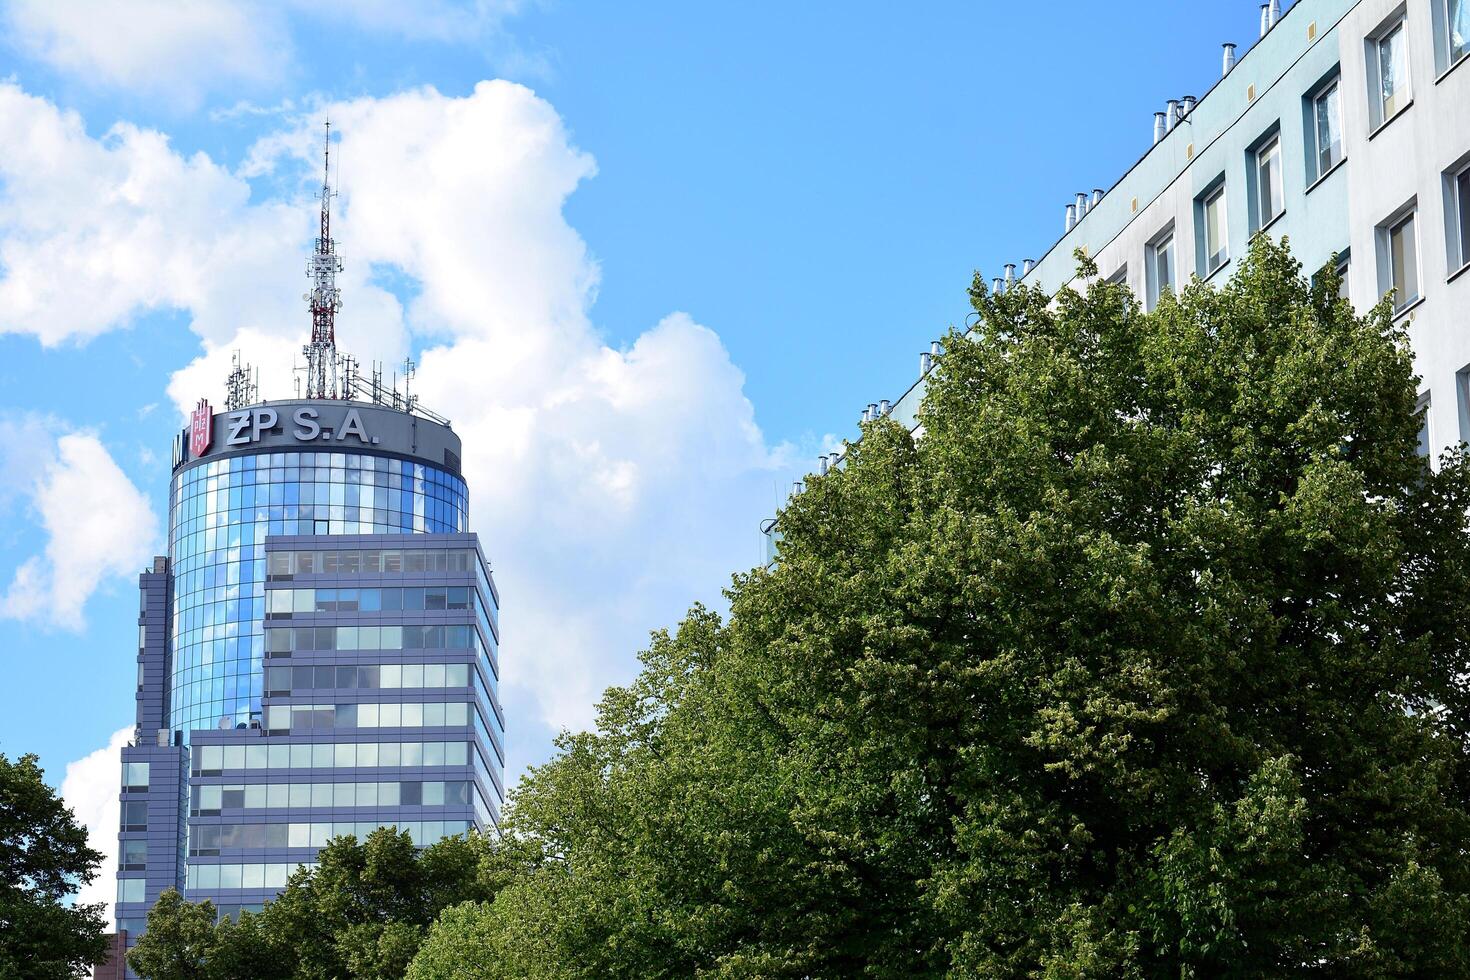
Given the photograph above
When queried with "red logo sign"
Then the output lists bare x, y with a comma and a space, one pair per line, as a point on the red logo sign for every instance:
199, 427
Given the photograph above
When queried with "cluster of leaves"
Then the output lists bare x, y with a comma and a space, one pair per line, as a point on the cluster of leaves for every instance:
44, 857
1148, 659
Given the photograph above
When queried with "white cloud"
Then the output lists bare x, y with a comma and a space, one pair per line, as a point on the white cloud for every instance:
90, 787
181, 52
98, 525
160, 48
611, 485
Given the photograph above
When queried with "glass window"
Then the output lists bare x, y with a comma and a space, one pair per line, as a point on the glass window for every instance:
1160, 268
135, 816
134, 855
1459, 217
131, 889
1270, 198
1452, 34
1390, 67
1216, 248
1327, 125
1404, 262
135, 775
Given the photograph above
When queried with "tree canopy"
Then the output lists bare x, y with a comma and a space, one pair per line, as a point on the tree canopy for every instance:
360, 914
44, 858
1146, 660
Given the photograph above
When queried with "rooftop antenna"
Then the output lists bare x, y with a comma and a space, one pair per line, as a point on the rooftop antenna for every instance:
325, 299
242, 386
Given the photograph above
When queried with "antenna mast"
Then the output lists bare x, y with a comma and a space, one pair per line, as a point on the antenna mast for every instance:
325, 299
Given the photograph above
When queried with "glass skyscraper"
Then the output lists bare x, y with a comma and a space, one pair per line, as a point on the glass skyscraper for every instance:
317, 653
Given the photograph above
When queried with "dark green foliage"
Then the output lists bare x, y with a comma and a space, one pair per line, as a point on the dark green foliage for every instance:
44, 857
1145, 661
360, 914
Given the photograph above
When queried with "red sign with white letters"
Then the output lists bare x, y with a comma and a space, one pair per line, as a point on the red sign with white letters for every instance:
199, 429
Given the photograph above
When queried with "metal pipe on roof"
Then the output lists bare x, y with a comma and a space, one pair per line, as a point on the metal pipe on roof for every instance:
1228, 61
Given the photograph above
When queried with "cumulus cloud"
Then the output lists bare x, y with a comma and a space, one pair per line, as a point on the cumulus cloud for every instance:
98, 525
612, 484
180, 52
90, 787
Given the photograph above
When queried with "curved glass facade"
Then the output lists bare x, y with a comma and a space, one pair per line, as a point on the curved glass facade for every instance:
220, 513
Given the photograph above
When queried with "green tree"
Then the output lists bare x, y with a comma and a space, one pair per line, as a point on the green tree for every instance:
44, 858
1146, 660
361, 913
180, 940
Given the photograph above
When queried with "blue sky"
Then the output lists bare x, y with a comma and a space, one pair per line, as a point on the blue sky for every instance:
649, 279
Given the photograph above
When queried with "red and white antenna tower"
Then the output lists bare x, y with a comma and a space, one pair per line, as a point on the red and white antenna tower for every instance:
325, 299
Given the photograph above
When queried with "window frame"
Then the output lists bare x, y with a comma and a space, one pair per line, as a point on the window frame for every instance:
1213, 194
1316, 169
1388, 269
1275, 180
1457, 216
1395, 26
1165, 239
1445, 59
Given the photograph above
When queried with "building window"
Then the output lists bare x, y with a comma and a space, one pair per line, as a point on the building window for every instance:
1270, 198
1398, 258
134, 855
1344, 263
1388, 66
1213, 227
135, 775
1426, 443
135, 816
131, 889
1119, 278
1161, 267
1451, 33
1457, 216
1326, 129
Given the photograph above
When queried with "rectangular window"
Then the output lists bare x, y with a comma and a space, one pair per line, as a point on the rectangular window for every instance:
135, 816
1217, 250
1327, 128
1451, 33
1344, 263
135, 775
1270, 197
1398, 258
134, 855
1388, 66
131, 889
1457, 217
1161, 268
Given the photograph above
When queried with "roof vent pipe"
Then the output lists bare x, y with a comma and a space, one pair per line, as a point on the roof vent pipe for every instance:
1071, 216
884, 407
925, 363
1171, 114
1160, 127
934, 349
1010, 274
1265, 18
1027, 266
836, 458
1081, 206
1097, 196
1273, 13
872, 411
998, 285
822, 465
1189, 104
1228, 62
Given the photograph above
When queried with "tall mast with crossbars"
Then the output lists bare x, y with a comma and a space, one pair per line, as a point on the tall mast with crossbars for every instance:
325, 299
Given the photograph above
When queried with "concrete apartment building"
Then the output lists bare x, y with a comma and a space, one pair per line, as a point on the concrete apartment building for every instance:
1346, 128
